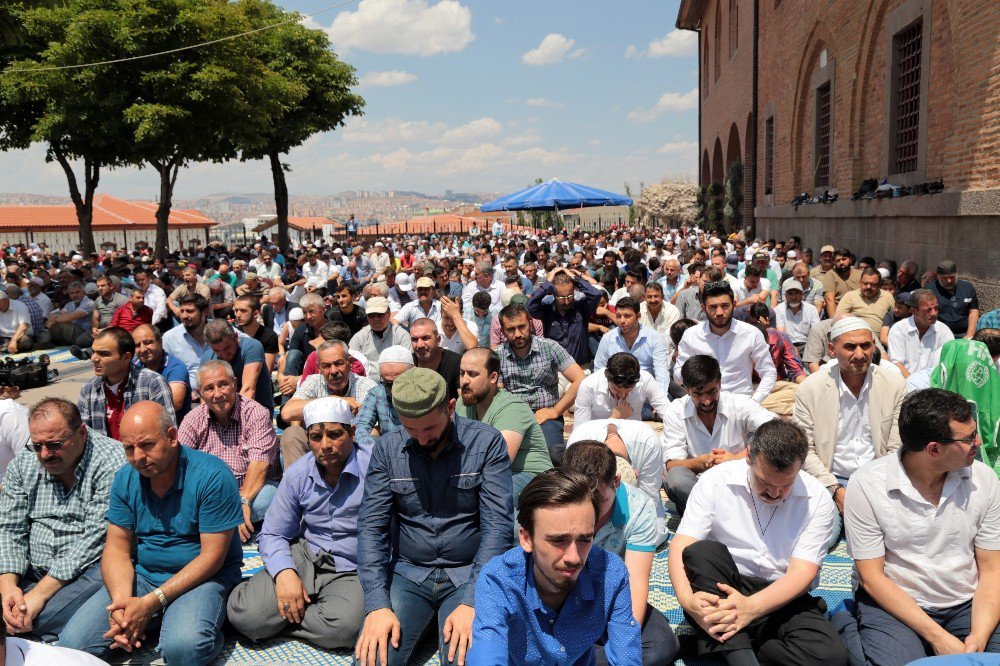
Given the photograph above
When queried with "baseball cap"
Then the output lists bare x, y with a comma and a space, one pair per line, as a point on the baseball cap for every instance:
425, 282
404, 282
946, 267
827, 248
377, 305
791, 284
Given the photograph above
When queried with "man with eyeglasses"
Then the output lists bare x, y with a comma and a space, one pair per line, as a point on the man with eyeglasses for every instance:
923, 527
377, 415
379, 334
52, 519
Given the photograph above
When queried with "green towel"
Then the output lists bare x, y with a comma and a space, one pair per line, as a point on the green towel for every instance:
967, 368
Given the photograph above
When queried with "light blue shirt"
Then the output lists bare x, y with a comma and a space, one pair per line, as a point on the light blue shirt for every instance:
182, 346
648, 349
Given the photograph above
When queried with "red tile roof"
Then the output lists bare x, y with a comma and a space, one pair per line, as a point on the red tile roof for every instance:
109, 213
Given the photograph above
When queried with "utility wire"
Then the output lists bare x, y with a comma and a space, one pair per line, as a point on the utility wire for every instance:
295, 19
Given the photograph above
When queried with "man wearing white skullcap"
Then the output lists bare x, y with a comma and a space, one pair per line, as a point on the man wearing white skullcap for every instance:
848, 410
377, 415
309, 588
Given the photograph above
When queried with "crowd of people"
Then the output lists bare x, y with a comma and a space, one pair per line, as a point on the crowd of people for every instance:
470, 435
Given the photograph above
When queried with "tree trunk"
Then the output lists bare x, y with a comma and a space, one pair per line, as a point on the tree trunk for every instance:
168, 177
280, 199
84, 204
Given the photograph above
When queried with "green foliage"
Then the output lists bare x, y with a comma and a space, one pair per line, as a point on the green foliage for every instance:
631, 209
734, 195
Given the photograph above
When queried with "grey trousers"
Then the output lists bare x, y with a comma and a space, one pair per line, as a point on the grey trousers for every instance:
294, 445
679, 484
332, 619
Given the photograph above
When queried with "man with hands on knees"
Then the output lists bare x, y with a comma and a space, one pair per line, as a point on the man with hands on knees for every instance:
170, 559
747, 552
309, 588
445, 482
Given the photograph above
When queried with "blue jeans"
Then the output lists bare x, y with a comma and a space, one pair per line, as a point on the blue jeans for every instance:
415, 607
555, 438
295, 361
190, 627
258, 507
60, 608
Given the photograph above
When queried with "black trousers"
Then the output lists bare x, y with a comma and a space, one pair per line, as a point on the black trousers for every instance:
797, 633
659, 645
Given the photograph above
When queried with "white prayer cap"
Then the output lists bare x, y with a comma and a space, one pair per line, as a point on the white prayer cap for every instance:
396, 354
296, 315
846, 325
326, 410
37, 280
884, 272
506, 295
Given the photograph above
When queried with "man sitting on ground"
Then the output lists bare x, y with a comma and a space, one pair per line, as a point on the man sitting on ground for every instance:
915, 342
239, 432
746, 594
309, 588
245, 356
16, 332
376, 414
427, 353
630, 336
379, 334
620, 391
246, 311
149, 354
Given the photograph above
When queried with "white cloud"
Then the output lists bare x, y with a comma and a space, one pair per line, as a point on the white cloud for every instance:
390, 131
553, 48
522, 139
670, 101
499, 20
631, 51
408, 27
543, 103
472, 131
674, 43
392, 77
683, 148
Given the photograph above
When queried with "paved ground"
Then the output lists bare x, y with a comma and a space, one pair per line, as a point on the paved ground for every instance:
72, 375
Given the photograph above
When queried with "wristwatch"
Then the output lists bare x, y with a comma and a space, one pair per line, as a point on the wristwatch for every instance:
161, 597
244, 501
834, 488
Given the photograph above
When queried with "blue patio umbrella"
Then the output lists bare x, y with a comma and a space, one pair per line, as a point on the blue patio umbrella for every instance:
555, 195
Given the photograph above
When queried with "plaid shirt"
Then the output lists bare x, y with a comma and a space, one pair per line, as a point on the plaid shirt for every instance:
248, 438
43, 525
314, 386
35, 315
376, 410
783, 353
989, 320
141, 384
534, 378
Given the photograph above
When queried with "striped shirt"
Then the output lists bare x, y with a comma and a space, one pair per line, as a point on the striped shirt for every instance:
35, 315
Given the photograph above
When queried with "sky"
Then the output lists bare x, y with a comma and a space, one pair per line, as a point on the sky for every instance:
472, 96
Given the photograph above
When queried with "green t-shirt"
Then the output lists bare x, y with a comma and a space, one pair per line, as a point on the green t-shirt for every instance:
507, 412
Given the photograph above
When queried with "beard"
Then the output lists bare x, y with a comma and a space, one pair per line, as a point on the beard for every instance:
471, 397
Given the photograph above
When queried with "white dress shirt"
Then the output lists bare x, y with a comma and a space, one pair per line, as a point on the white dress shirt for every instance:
643, 449
721, 508
916, 353
380, 261
14, 435
668, 315
10, 321
685, 436
454, 343
796, 325
928, 550
22, 652
594, 401
741, 292
740, 350
854, 445
316, 276
156, 299
473, 288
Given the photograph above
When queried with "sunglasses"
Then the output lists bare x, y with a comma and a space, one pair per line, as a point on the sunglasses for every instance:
51, 446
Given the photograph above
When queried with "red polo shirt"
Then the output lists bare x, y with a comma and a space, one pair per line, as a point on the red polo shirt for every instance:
129, 320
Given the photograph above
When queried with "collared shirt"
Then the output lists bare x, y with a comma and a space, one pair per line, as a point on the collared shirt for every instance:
929, 550
535, 377
52, 529
35, 315
452, 512
685, 436
473, 288
632, 524
513, 625
85, 305
454, 342
785, 357
315, 386
44, 302
174, 372
854, 445
181, 345
648, 349
316, 276
663, 321
249, 437
762, 538
670, 289
412, 311
16, 314
796, 324
740, 351
306, 507
376, 410
156, 299
139, 385
130, 320
203, 499
594, 401
954, 307
571, 331
916, 353
989, 320
371, 344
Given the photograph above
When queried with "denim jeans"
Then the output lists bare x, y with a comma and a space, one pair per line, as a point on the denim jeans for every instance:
263, 500
415, 607
190, 627
64, 603
555, 438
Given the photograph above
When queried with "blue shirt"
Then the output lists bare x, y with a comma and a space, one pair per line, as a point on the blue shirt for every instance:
182, 346
173, 371
251, 351
454, 512
989, 320
376, 410
648, 349
513, 625
571, 330
203, 499
306, 507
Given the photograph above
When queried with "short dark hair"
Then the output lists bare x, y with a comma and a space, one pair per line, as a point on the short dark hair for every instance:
781, 443
218, 330
989, 337
482, 300
868, 272
123, 339
594, 460
678, 327
636, 273
655, 286
713, 289
760, 310
196, 300
754, 270
513, 311
627, 303
554, 488
345, 286
489, 358
700, 370
335, 330
926, 417
623, 369
842, 252
250, 300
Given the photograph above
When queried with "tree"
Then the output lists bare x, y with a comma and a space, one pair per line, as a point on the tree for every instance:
302, 57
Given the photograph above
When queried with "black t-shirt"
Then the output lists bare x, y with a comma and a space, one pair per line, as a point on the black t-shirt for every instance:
354, 321
267, 337
954, 308
448, 368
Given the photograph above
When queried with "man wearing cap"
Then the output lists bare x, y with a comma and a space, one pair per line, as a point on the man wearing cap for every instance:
379, 258
849, 411
484, 400
309, 587
334, 379
380, 332
794, 315
316, 273
868, 301
36, 293
826, 262
425, 305
16, 333
842, 278
376, 414
957, 300
915, 343
254, 286
399, 288
445, 481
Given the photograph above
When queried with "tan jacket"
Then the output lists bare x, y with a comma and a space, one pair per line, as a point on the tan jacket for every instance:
816, 411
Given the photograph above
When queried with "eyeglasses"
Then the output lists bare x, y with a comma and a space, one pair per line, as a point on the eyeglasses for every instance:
565, 299
51, 446
970, 440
